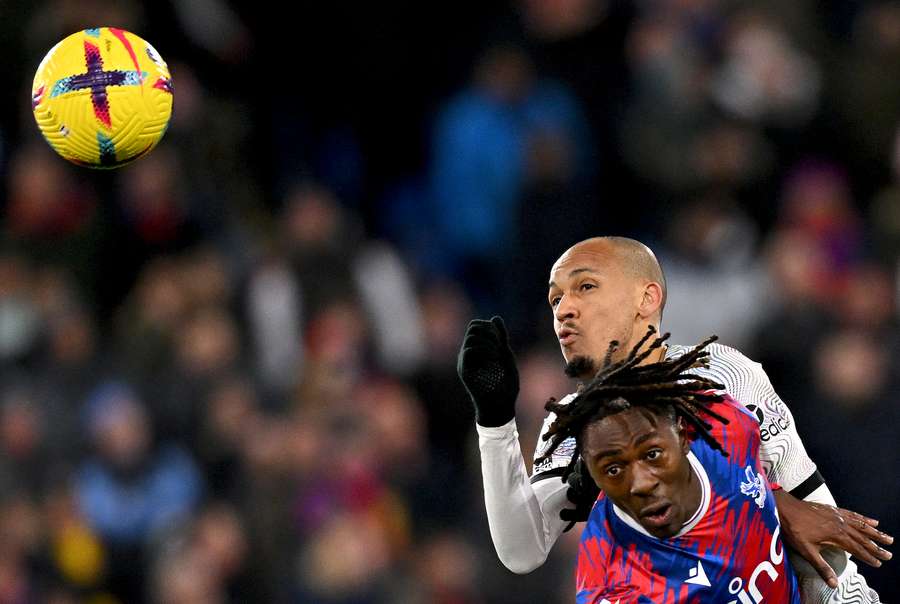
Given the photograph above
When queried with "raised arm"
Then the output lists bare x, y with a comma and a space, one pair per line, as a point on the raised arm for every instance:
524, 518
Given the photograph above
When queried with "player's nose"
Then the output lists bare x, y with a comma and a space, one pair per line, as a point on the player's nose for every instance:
643, 482
566, 309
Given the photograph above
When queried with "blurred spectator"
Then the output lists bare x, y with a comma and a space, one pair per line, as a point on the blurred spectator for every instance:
556, 20
132, 488
557, 207
185, 578
868, 302
229, 422
215, 26
447, 571
207, 346
849, 426
389, 298
335, 264
24, 456
673, 135
75, 551
884, 213
479, 159
786, 340
157, 215
336, 345
709, 264
817, 201
318, 240
19, 532
448, 415
209, 565
764, 77
668, 70
275, 321
209, 131
72, 360
347, 560
146, 324
581, 43
52, 216
394, 415
206, 278
865, 95
19, 316
276, 457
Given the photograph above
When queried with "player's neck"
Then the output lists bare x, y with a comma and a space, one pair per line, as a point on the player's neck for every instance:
656, 356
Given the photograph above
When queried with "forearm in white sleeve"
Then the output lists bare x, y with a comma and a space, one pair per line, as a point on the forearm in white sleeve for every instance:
523, 518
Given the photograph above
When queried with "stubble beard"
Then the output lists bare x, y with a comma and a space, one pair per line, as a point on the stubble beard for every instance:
584, 367
581, 367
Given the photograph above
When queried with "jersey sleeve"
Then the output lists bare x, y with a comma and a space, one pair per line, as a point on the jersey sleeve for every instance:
784, 457
523, 518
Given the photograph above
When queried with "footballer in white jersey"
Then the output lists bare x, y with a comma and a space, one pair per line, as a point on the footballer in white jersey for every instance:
612, 289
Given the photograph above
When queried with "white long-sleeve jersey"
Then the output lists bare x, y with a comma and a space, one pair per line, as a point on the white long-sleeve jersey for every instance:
523, 511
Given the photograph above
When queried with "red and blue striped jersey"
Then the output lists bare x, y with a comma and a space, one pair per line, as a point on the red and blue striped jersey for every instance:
729, 552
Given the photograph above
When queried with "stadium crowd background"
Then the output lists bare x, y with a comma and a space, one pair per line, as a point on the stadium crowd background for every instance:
227, 372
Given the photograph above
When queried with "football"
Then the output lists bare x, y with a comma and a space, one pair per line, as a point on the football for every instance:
102, 97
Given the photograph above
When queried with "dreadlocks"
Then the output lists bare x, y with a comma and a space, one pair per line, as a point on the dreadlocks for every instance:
618, 386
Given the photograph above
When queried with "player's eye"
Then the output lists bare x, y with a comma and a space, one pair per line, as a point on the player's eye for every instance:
613, 471
587, 286
653, 454
554, 301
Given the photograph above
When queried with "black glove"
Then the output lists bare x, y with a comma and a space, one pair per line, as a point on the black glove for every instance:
487, 368
583, 492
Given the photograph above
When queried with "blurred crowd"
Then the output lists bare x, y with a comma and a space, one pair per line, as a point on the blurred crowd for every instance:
227, 371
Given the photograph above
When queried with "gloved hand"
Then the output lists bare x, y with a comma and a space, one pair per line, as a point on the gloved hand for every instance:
583, 492
487, 368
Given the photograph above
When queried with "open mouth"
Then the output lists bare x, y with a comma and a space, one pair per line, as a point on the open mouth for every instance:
657, 516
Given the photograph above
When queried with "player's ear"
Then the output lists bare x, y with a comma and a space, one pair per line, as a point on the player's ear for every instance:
651, 299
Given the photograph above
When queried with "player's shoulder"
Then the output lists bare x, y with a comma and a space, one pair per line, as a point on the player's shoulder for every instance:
725, 363
551, 416
548, 419
735, 412
719, 353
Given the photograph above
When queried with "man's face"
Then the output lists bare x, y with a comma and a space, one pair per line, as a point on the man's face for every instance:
593, 302
639, 459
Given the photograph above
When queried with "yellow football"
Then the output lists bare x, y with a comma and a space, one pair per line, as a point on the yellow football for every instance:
102, 97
